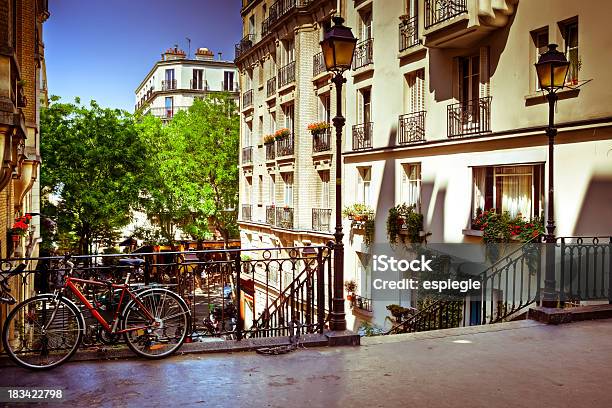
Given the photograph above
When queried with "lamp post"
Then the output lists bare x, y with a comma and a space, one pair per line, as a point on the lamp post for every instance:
338, 47
551, 68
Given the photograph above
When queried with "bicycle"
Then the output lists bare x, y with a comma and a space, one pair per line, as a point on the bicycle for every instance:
154, 322
5, 290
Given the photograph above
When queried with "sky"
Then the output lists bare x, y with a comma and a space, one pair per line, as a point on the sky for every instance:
102, 49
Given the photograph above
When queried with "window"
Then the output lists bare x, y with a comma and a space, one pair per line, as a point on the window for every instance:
271, 189
228, 81
540, 45
272, 123
197, 82
469, 74
252, 25
364, 179
289, 55
365, 105
261, 75
570, 37
260, 190
410, 189
169, 105
248, 79
416, 91
325, 108
365, 28
260, 129
412, 8
517, 189
247, 134
324, 197
248, 191
170, 74
288, 189
289, 116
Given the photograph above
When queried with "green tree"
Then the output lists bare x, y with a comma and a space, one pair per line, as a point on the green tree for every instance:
91, 171
192, 179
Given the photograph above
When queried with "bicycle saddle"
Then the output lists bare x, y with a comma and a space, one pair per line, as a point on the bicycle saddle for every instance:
131, 262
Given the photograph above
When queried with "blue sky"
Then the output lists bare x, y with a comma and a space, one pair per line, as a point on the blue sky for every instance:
102, 49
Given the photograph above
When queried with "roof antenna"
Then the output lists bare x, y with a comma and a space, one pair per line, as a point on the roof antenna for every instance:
189, 49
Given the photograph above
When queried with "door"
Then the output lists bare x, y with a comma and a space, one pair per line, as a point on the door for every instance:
469, 70
228, 81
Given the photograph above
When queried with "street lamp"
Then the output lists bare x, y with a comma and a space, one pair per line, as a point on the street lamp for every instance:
552, 69
338, 47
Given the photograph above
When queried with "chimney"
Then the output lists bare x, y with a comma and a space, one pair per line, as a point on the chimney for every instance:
173, 54
204, 54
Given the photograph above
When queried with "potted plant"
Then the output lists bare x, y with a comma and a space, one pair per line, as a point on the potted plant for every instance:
268, 139
404, 222
281, 133
351, 287
318, 127
19, 229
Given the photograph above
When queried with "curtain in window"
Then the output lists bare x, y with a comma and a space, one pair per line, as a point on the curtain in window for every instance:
480, 178
515, 184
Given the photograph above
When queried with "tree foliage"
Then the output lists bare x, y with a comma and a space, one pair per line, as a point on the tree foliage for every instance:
91, 171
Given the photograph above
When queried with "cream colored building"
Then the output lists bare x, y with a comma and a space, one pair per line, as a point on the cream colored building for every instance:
443, 111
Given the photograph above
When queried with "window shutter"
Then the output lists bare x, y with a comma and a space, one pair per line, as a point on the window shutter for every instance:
421, 89
484, 72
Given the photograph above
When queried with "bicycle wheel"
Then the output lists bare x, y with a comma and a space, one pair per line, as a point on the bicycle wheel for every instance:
165, 333
30, 345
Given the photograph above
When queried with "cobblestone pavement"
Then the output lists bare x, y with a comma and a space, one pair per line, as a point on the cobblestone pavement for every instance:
516, 365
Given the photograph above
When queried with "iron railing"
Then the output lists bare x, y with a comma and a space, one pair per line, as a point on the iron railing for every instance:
321, 142
198, 85
168, 84
244, 45
411, 128
284, 146
364, 53
271, 87
318, 64
321, 219
270, 214
409, 33
270, 151
230, 86
247, 99
288, 282
166, 113
361, 302
247, 212
286, 74
438, 11
247, 155
469, 117
284, 217
362, 136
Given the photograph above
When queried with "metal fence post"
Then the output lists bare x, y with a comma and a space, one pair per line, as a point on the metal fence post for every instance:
239, 322
320, 290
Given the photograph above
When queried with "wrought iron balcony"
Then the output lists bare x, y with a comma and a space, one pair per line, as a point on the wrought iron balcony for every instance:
409, 33
166, 113
244, 45
284, 146
270, 214
438, 11
270, 151
286, 74
284, 217
318, 64
469, 117
247, 210
321, 219
411, 128
362, 303
247, 99
247, 155
230, 86
364, 53
168, 84
321, 142
198, 85
362, 136
271, 87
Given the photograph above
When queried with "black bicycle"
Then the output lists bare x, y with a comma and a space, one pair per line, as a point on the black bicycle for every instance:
5, 290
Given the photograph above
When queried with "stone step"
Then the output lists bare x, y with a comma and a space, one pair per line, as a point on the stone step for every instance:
551, 315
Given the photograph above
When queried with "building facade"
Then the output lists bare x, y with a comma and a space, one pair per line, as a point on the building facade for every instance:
23, 87
443, 112
176, 80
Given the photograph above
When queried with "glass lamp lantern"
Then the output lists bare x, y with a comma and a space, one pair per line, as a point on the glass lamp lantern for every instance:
552, 68
338, 47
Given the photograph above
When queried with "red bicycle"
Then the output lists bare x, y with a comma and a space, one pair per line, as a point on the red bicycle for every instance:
46, 330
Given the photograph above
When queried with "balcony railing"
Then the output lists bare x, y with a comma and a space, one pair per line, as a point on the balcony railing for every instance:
362, 136
166, 113
284, 217
168, 84
318, 64
244, 45
271, 87
364, 53
321, 219
411, 128
270, 151
247, 210
437, 11
247, 99
265, 27
362, 303
321, 142
230, 86
198, 85
409, 33
469, 117
247, 155
270, 214
284, 146
286, 74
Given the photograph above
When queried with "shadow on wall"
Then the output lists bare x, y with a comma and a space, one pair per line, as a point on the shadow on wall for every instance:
595, 216
386, 197
435, 225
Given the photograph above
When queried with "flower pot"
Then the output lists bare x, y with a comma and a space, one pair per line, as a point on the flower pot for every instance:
357, 218
349, 298
16, 237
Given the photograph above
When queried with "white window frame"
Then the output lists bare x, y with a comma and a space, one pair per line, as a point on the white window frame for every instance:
408, 185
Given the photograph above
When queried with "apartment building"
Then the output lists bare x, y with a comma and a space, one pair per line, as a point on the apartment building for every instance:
443, 112
176, 80
22, 93
285, 192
